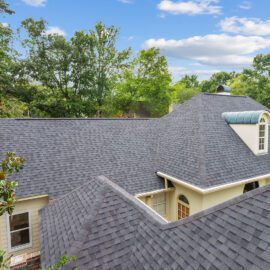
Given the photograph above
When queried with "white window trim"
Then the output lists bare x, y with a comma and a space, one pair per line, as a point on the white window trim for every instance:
21, 247
265, 123
163, 203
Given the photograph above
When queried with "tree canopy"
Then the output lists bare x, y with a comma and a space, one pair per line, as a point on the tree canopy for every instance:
86, 75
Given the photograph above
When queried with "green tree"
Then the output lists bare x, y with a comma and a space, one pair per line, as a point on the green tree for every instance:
9, 105
219, 78
10, 165
4, 8
77, 75
255, 81
186, 88
146, 81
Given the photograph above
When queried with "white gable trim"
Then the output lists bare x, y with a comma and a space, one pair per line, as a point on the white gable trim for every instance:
211, 189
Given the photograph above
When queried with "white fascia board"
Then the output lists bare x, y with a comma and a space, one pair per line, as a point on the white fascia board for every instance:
153, 192
211, 189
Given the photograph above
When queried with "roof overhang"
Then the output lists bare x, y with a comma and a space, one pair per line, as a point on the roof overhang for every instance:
246, 117
214, 188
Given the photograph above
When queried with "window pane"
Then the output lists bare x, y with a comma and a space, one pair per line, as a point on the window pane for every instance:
19, 221
262, 133
20, 238
183, 199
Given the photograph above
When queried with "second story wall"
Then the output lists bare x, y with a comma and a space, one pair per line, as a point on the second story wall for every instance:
31, 206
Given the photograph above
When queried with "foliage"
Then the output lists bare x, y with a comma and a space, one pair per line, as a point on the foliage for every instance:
4, 8
219, 78
255, 81
86, 75
10, 165
4, 260
146, 81
186, 88
64, 260
76, 75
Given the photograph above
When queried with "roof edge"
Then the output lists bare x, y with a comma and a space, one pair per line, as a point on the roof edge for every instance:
144, 209
226, 204
214, 188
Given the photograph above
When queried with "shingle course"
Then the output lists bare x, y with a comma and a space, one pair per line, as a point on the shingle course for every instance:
132, 237
193, 143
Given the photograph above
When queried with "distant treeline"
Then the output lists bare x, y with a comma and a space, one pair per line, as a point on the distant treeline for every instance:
87, 76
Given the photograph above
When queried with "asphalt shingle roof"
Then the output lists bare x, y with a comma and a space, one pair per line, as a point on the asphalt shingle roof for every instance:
199, 147
112, 230
193, 143
61, 155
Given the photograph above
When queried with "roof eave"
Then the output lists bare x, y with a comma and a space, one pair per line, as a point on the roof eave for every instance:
214, 188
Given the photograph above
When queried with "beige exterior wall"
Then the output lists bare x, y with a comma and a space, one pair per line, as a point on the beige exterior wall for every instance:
223, 195
197, 200
248, 133
29, 205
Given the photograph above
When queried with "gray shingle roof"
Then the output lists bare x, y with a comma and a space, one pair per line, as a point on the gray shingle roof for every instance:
62, 154
111, 230
97, 222
199, 147
193, 143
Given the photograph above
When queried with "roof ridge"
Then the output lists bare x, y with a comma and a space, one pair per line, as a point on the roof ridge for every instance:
202, 163
74, 248
76, 119
226, 204
146, 212
140, 206
220, 95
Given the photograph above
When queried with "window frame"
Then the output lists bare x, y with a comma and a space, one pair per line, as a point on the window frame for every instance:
24, 246
162, 203
183, 204
255, 185
263, 122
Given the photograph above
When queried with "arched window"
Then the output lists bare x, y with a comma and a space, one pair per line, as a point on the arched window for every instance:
183, 207
251, 186
262, 135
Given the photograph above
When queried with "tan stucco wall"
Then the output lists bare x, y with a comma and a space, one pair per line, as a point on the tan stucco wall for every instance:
199, 201
195, 201
223, 195
32, 206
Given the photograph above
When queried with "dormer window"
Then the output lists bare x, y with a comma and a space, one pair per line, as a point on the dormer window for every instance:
262, 134
251, 127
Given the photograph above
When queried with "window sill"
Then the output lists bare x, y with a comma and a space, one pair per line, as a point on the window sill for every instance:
19, 248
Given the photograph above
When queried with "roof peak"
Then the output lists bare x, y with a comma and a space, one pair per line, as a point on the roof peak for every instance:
76, 119
217, 95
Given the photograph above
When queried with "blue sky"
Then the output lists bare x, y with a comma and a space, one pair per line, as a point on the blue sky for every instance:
197, 36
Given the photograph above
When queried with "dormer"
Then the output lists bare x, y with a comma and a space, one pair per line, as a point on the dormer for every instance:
251, 127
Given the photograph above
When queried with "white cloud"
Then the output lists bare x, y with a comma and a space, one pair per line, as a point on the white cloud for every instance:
178, 72
191, 7
247, 26
245, 5
218, 50
35, 3
4, 24
126, 1
55, 30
